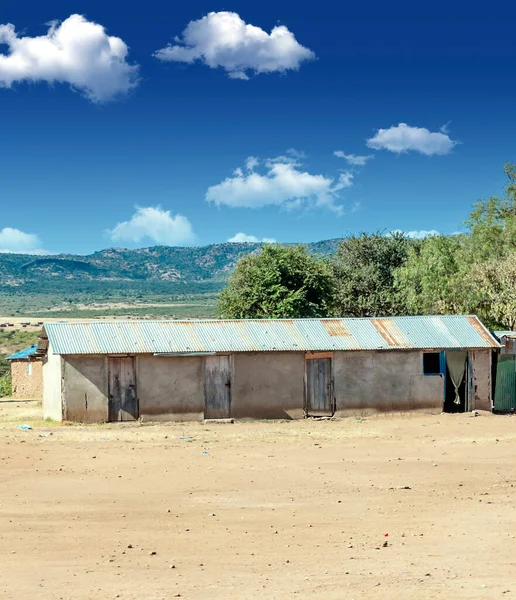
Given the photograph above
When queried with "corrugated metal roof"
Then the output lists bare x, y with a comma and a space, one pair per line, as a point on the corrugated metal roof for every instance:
507, 333
25, 353
166, 337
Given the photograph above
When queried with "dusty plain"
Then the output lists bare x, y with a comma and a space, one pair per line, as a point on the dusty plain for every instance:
392, 506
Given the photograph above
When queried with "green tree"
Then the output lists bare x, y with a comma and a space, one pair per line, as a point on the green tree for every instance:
432, 279
363, 273
278, 282
492, 223
497, 280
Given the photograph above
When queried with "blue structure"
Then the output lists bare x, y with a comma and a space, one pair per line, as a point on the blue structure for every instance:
24, 354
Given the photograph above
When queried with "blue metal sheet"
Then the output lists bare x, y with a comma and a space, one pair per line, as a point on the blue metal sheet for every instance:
23, 354
166, 337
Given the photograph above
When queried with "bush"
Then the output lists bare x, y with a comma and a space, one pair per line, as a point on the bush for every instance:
5, 386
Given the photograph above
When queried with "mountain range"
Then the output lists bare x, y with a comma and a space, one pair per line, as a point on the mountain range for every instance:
166, 266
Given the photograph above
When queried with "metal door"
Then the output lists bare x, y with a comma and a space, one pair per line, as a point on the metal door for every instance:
217, 387
319, 393
505, 388
123, 405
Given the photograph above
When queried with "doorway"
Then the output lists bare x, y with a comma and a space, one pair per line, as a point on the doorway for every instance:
457, 374
122, 403
217, 386
319, 387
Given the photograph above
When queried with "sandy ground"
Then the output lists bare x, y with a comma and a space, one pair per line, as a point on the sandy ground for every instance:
271, 510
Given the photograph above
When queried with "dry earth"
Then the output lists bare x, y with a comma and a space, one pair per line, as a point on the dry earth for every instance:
272, 510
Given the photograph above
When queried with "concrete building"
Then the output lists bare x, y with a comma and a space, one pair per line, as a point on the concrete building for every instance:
26, 374
280, 369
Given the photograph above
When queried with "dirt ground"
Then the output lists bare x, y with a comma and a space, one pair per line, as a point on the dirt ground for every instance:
388, 507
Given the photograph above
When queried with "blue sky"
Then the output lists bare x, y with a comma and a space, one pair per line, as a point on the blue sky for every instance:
132, 142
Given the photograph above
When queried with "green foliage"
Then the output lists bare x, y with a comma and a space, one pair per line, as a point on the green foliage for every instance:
278, 282
5, 386
470, 273
431, 280
497, 281
363, 272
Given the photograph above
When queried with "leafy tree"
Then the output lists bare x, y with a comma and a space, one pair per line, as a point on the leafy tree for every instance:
278, 282
363, 272
497, 280
432, 279
492, 223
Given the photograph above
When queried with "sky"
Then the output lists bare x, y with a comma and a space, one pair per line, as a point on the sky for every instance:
131, 125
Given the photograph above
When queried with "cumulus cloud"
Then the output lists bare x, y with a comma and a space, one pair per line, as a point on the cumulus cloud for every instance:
76, 51
419, 234
404, 138
243, 238
282, 182
18, 242
353, 159
155, 224
223, 39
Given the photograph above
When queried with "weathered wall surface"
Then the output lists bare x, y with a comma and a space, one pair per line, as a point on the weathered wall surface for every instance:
369, 382
27, 378
268, 385
480, 364
170, 388
52, 403
85, 388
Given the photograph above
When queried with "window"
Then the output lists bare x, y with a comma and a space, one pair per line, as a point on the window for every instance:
29, 368
431, 363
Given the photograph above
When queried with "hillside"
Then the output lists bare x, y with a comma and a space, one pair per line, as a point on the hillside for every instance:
160, 264
158, 282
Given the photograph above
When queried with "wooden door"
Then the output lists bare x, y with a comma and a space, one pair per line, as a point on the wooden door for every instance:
319, 392
123, 405
217, 387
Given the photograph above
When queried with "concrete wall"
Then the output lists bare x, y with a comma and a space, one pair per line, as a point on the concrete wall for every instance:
480, 364
264, 385
268, 385
85, 388
370, 382
27, 378
170, 388
52, 401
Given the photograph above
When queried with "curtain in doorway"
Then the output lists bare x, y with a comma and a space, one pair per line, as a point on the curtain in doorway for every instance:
456, 362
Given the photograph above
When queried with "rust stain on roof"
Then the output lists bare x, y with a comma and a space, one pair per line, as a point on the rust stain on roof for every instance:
482, 332
335, 328
391, 333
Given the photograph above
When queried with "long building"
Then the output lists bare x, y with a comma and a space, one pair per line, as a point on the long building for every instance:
279, 369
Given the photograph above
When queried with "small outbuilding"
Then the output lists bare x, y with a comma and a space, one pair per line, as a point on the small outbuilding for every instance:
279, 369
26, 374
505, 373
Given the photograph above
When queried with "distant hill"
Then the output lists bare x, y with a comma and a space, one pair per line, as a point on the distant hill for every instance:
206, 267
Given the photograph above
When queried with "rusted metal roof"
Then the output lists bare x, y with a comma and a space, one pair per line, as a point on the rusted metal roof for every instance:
319, 335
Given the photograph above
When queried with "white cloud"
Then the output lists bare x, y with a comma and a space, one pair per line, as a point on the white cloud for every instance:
404, 138
243, 238
417, 234
284, 183
295, 153
353, 159
223, 39
76, 51
14, 241
155, 224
